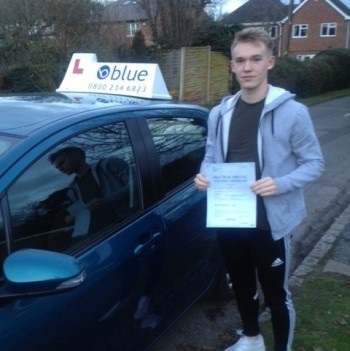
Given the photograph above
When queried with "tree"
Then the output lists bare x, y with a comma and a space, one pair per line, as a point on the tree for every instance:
174, 23
41, 35
138, 47
217, 35
75, 24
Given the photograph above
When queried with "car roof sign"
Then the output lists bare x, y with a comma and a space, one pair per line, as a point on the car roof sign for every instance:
86, 75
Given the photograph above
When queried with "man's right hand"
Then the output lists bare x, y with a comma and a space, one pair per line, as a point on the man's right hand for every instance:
200, 182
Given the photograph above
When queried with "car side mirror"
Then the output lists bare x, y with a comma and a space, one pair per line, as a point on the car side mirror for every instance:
32, 271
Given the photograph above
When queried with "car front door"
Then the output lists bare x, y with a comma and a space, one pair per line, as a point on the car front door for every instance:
45, 208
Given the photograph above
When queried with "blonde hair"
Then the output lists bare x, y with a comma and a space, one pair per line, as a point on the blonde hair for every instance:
251, 35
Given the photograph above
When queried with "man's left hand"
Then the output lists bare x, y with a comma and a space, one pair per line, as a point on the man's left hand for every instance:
265, 187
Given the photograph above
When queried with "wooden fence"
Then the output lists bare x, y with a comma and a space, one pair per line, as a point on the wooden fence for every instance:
196, 74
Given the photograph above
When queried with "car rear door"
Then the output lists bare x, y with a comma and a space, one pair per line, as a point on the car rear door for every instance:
177, 139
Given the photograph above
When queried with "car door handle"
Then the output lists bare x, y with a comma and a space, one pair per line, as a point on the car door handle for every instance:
149, 245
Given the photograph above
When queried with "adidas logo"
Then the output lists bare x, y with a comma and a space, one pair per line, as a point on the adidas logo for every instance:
277, 262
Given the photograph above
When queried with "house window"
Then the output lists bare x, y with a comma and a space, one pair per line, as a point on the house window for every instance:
133, 28
273, 32
328, 29
303, 57
300, 31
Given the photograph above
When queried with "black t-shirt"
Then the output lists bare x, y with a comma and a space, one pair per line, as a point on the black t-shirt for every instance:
242, 145
101, 214
88, 186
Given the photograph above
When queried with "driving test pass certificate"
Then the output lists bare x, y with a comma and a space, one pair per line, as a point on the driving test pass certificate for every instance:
230, 202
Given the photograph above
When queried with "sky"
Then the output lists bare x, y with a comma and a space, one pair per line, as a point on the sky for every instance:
230, 5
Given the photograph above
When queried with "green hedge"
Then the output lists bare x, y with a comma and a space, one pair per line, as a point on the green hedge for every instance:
327, 71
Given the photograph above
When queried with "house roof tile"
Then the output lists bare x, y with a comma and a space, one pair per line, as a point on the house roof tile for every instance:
257, 11
343, 6
123, 11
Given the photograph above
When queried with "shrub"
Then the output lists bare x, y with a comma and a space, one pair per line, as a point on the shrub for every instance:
318, 78
338, 60
29, 79
288, 74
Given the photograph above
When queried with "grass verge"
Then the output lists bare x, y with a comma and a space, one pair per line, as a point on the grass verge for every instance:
313, 101
322, 305
325, 97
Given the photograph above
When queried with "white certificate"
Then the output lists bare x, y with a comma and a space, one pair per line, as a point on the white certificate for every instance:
230, 202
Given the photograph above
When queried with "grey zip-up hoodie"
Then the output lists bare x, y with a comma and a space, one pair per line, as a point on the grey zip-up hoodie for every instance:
288, 150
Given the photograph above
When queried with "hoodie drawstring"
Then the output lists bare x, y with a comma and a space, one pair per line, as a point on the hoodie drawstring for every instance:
273, 122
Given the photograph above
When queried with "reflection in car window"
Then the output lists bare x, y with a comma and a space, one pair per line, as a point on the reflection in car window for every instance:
2, 241
180, 143
82, 188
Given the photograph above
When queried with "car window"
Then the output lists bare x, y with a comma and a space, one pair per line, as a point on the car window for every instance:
180, 143
82, 188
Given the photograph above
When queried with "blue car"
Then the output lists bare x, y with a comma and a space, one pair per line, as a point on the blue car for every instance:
103, 241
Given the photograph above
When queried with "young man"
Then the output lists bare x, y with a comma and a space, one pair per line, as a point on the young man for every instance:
265, 125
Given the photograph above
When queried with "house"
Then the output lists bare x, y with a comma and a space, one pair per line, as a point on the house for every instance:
316, 25
319, 25
123, 19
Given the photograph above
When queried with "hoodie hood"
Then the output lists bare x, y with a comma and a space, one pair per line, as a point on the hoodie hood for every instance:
275, 97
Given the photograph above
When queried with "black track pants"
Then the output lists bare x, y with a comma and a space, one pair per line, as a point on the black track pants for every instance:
250, 254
